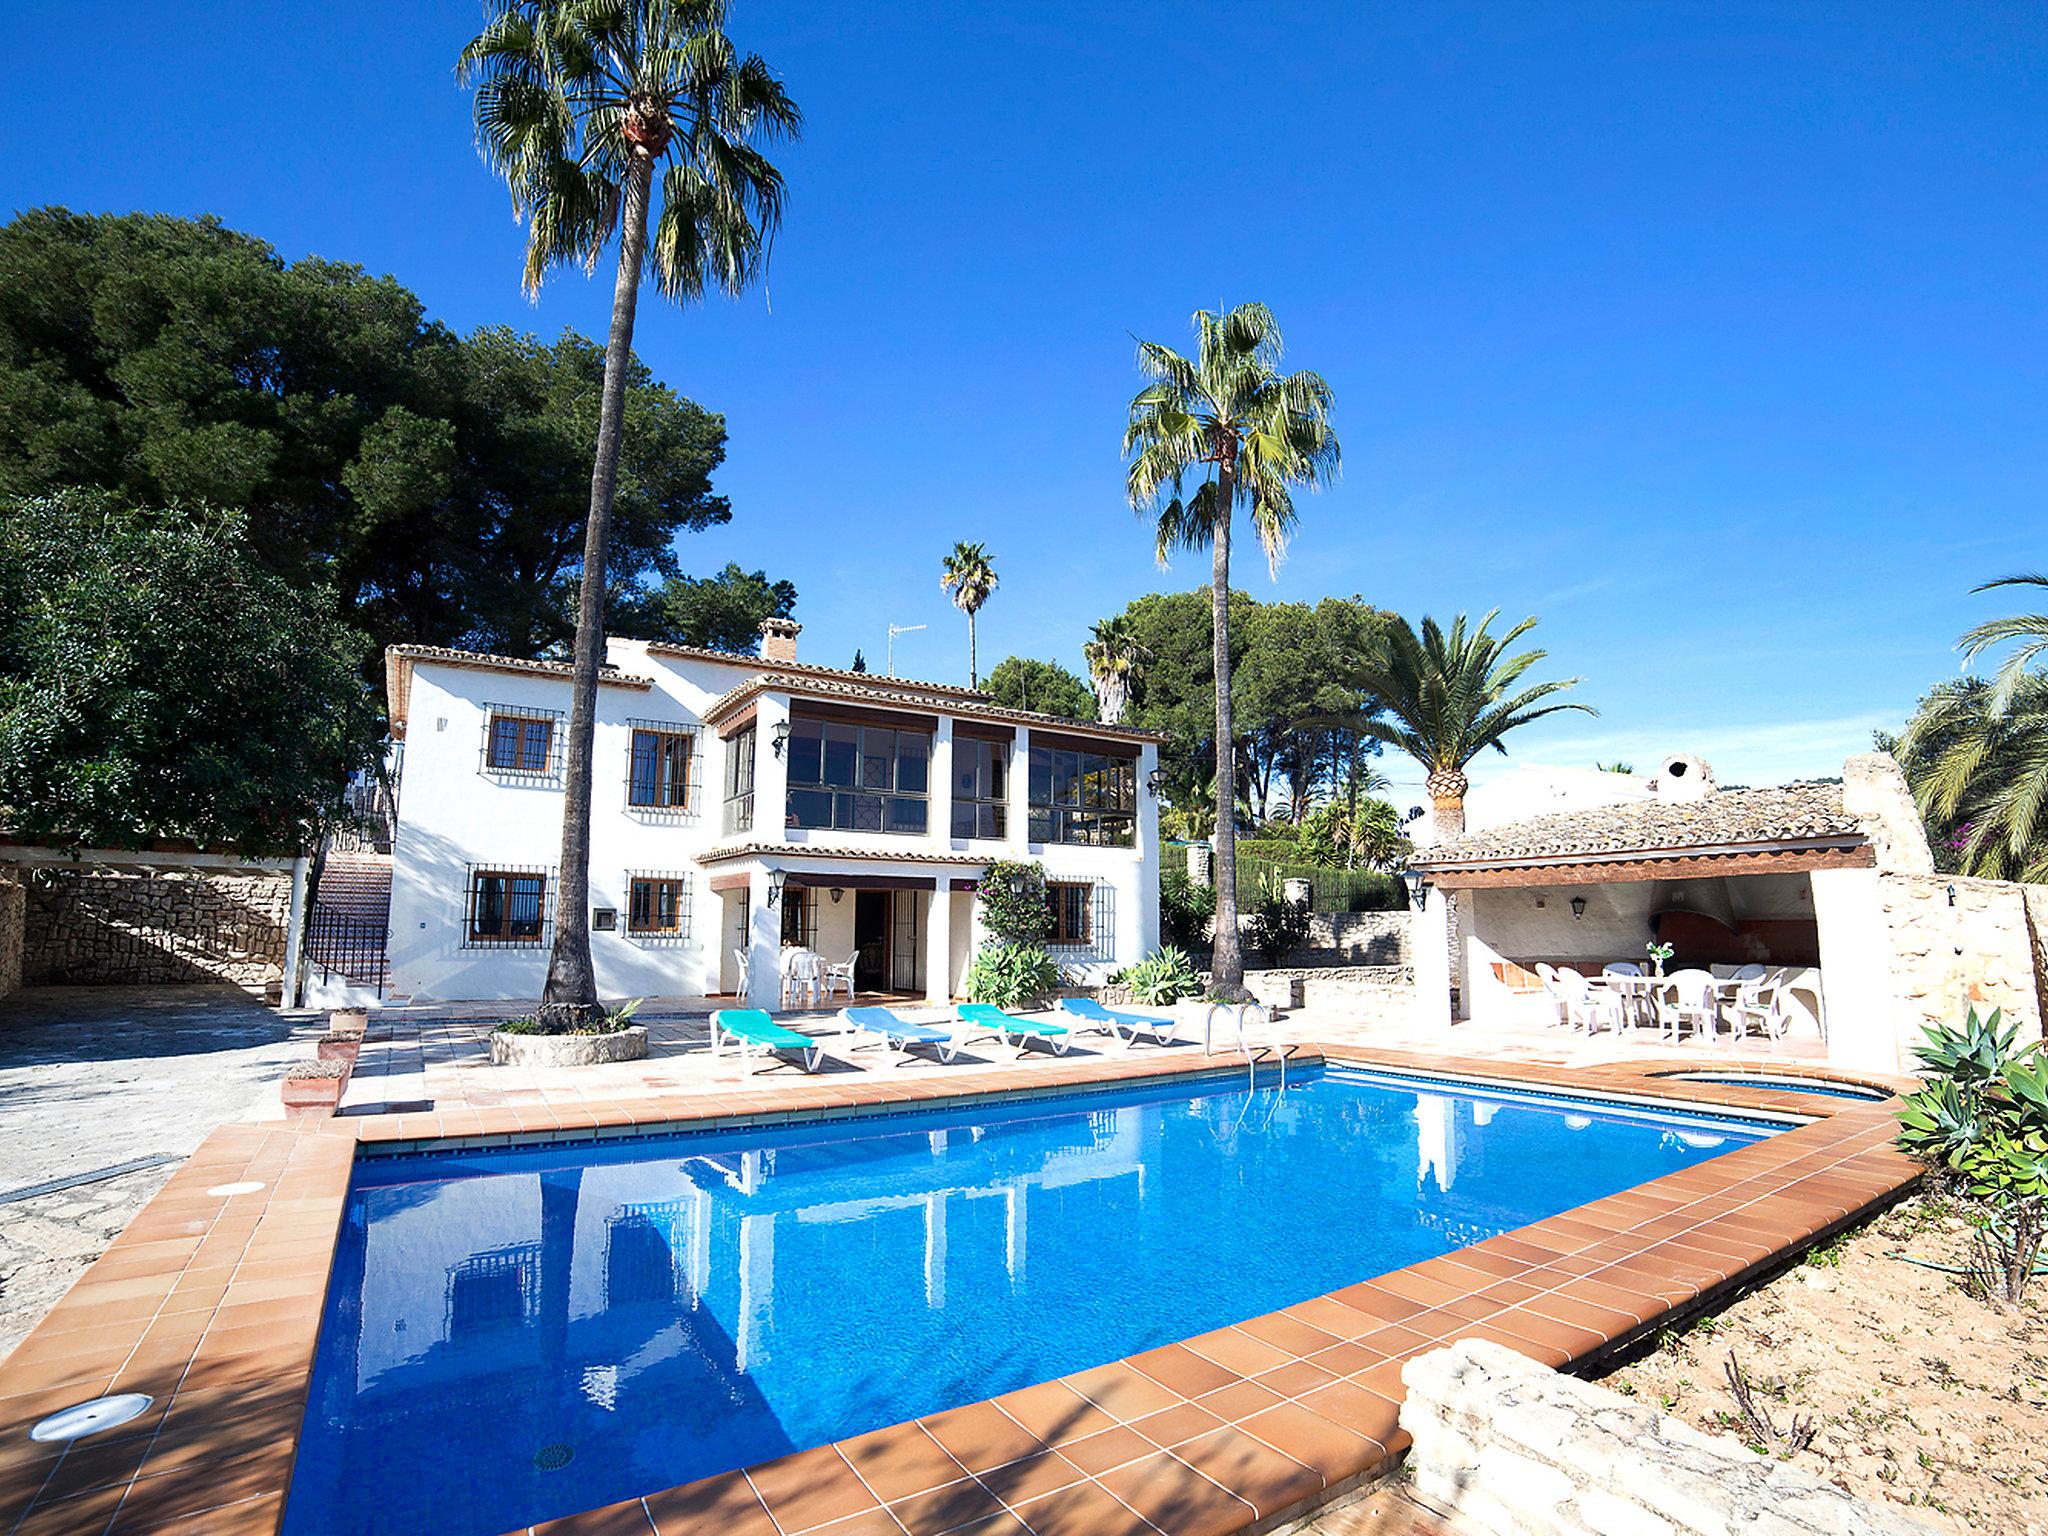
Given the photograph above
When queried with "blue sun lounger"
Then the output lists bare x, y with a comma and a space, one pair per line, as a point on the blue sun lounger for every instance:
899, 1035
1127, 1027
1012, 1030
755, 1031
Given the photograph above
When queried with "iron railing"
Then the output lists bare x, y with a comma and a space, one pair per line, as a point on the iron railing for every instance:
341, 944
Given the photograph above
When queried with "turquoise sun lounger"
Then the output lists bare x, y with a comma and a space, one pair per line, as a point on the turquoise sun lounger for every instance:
754, 1030
1012, 1030
900, 1035
1127, 1027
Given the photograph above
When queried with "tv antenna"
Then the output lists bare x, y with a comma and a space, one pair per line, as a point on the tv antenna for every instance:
894, 631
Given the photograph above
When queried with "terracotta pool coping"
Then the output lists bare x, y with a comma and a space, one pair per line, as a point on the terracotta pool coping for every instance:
211, 1304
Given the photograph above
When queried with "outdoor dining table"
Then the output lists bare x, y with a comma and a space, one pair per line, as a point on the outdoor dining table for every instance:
1637, 995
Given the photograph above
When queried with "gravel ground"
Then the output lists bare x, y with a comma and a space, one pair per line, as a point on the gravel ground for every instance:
95, 1076
1925, 1396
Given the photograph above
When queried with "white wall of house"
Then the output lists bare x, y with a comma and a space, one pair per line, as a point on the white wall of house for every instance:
456, 816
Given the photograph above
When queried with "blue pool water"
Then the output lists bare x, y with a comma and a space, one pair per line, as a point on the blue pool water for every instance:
520, 1334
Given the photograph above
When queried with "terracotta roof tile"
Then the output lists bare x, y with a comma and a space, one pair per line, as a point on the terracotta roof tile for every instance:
1787, 813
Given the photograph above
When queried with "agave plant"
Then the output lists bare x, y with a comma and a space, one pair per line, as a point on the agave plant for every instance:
1165, 976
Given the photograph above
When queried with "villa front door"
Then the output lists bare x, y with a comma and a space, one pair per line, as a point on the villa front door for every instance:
871, 940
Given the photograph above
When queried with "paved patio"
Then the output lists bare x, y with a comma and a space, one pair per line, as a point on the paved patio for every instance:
439, 1058
93, 1077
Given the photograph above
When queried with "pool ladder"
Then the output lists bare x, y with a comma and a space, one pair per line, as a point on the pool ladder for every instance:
1264, 1050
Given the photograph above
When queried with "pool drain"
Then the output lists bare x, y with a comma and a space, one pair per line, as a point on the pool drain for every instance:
552, 1458
90, 1418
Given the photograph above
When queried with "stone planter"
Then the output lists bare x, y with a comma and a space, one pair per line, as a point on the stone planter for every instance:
314, 1088
348, 1021
629, 1044
341, 1048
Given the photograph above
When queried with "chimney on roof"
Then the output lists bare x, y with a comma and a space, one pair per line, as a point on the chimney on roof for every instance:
778, 639
1683, 777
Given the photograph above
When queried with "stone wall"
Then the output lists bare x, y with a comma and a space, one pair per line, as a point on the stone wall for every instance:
1373, 994
1514, 1449
151, 930
1346, 938
1984, 950
13, 907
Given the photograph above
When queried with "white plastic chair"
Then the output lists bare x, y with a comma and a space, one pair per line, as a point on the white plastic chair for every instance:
1750, 972
1621, 968
743, 961
840, 973
1688, 997
1586, 1008
1761, 1004
1553, 989
803, 974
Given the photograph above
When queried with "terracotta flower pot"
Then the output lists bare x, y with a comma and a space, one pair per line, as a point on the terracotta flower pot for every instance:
341, 1048
348, 1021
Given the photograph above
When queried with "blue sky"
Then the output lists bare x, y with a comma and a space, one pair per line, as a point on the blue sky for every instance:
1712, 334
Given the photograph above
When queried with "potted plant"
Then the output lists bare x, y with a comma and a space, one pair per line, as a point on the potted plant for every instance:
610, 1036
348, 1021
1658, 953
338, 1046
314, 1087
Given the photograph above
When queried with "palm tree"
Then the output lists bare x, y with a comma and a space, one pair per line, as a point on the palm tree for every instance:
1116, 660
2030, 629
1251, 433
578, 103
1451, 696
970, 575
1976, 753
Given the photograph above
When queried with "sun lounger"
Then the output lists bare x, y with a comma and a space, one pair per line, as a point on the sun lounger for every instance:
1012, 1030
754, 1030
899, 1035
1127, 1027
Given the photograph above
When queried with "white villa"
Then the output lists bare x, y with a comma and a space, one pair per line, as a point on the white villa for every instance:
742, 805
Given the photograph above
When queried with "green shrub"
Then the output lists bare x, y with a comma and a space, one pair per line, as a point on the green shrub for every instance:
608, 1022
1982, 1115
1011, 975
1277, 926
1185, 908
1015, 916
1165, 976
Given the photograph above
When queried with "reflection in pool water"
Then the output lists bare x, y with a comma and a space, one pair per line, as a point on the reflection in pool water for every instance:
516, 1335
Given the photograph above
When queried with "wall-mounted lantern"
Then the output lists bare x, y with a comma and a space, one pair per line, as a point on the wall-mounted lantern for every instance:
1578, 908
1416, 884
1019, 884
775, 882
836, 894
779, 736
1155, 781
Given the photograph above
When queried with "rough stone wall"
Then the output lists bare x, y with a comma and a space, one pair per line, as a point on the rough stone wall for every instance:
1984, 951
1347, 938
151, 930
13, 909
1515, 1449
1375, 994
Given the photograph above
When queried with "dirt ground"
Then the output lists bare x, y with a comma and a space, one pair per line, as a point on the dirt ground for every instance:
1926, 1396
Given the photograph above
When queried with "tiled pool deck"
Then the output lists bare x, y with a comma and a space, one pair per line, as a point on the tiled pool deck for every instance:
211, 1304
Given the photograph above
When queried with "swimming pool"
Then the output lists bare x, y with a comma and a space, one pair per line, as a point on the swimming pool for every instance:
515, 1335
1825, 1087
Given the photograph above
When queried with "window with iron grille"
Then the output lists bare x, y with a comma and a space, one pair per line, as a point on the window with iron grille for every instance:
522, 741
1089, 798
739, 782
1083, 922
661, 767
859, 778
799, 917
508, 908
981, 788
657, 906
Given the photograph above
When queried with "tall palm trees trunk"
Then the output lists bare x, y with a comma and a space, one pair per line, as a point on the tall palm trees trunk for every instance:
571, 992
973, 661
1226, 966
